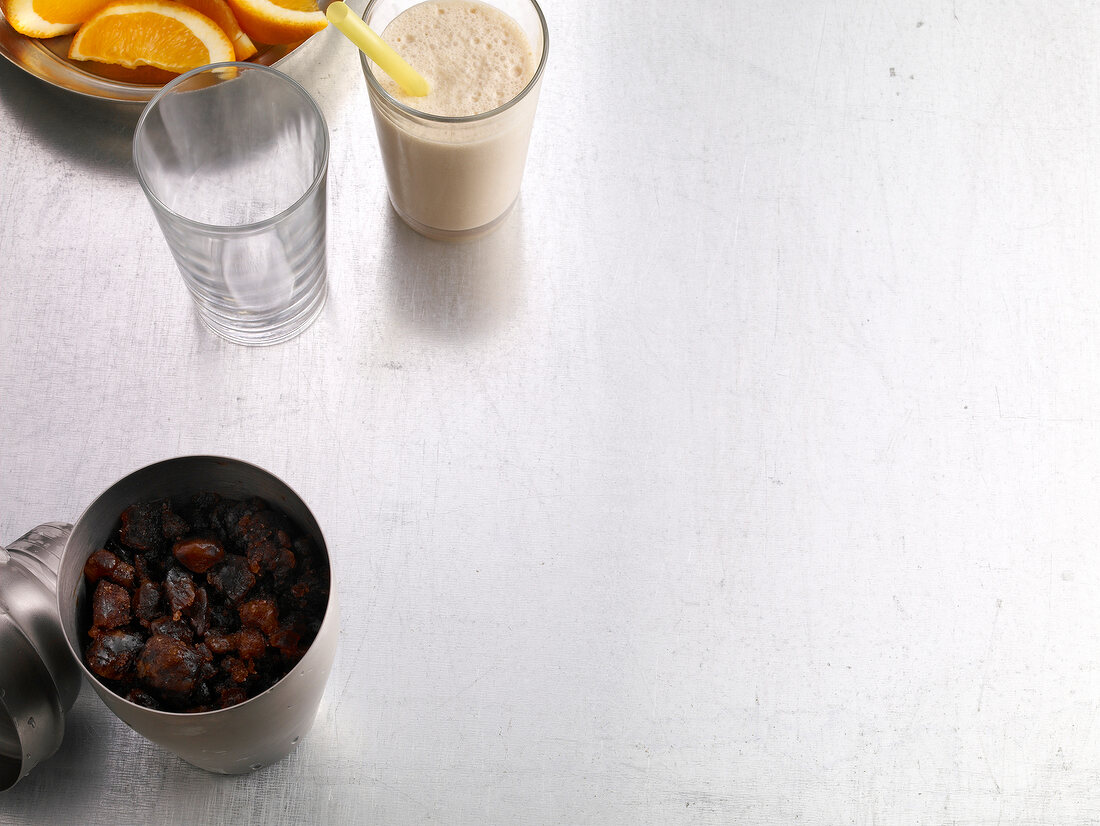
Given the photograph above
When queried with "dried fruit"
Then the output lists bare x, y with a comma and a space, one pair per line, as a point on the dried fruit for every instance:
169, 665
232, 578
261, 614
103, 564
110, 605
112, 653
146, 603
199, 554
141, 526
179, 589
167, 636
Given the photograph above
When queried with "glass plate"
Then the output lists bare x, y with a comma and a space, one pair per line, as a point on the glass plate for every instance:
46, 59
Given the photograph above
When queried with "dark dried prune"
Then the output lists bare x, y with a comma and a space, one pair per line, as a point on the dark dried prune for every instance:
111, 654
260, 613
177, 629
200, 516
219, 643
120, 550
150, 567
110, 605
237, 669
266, 556
250, 643
172, 525
169, 665
261, 524
146, 602
141, 526
287, 640
199, 612
198, 554
203, 608
227, 516
104, 564
223, 618
232, 578
179, 590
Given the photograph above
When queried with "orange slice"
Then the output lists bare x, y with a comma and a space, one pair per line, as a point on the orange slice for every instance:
220, 13
48, 18
278, 21
161, 33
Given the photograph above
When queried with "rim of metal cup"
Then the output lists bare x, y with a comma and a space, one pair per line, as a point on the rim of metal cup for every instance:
330, 614
372, 81
231, 228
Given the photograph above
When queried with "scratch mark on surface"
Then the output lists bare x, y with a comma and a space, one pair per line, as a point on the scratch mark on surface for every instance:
988, 654
351, 674
455, 695
740, 207
820, 40
778, 269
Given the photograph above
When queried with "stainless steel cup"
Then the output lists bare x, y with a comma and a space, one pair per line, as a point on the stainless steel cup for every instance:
38, 680
233, 740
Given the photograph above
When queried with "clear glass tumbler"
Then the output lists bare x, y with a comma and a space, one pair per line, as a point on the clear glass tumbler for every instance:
454, 178
233, 158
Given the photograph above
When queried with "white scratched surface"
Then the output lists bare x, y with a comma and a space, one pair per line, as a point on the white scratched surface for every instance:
750, 473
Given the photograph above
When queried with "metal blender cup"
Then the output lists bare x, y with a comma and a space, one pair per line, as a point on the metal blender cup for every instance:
241, 738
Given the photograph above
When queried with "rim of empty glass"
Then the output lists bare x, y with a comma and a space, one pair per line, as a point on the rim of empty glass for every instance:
375, 86
322, 168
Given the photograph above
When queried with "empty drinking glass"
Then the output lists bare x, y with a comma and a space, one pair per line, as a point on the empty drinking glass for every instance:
233, 158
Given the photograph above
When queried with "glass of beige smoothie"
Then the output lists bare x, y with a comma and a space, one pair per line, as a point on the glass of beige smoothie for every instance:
454, 159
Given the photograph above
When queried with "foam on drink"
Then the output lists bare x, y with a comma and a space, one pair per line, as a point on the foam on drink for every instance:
474, 56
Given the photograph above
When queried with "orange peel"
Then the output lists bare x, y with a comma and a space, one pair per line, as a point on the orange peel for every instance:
48, 18
278, 21
160, 33
220, 13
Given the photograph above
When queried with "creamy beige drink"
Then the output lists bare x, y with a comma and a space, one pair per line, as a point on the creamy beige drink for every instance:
454, 159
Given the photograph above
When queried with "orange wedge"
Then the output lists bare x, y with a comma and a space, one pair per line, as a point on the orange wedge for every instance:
278, 21
48, 18
161, 33
220, 13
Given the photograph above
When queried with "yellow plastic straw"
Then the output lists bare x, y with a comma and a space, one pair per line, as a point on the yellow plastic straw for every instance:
376, 49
